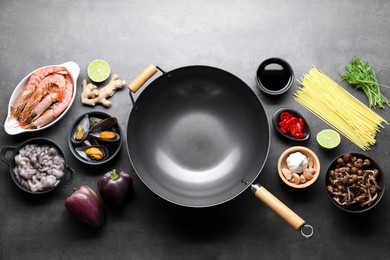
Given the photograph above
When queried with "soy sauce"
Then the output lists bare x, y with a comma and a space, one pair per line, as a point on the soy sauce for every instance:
274, 76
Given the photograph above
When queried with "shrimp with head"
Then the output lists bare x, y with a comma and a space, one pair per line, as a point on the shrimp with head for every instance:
50, 89
21, 100
55, 110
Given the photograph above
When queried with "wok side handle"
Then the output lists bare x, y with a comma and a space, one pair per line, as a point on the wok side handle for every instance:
68, 176
3, 154
282, 210
144, 76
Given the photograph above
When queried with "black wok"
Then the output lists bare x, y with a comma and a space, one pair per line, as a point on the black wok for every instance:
198, 136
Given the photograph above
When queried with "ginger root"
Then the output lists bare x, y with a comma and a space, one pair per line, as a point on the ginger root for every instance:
91, 95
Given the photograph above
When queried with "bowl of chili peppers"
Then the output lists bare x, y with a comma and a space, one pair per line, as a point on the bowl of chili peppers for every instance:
290, 124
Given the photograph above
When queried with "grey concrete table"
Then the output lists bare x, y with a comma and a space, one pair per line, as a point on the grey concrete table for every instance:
232, 35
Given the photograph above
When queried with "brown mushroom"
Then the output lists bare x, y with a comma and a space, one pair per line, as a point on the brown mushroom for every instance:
353, 182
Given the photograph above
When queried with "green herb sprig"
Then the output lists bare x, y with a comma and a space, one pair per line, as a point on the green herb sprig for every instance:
360, 75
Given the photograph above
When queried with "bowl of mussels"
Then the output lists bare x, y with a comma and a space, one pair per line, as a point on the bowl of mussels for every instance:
95, 138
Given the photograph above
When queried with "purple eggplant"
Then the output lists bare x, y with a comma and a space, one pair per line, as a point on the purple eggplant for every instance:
86, 205
115, 188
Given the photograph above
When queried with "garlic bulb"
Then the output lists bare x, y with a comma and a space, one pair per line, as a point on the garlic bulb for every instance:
296, 162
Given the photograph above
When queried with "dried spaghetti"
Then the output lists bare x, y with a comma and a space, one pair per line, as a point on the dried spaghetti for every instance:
334, 105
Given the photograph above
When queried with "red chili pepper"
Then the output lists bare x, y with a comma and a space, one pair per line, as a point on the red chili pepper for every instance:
292, 121
284, 116
291, 124
300, 121
283, 127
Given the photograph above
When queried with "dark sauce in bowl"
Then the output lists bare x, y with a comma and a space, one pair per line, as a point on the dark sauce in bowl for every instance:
274, 76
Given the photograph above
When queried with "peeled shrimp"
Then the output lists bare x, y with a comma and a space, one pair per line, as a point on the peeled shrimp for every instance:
38, 168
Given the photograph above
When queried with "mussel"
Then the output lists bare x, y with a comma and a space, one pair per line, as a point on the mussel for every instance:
81, 130
108, 136
104, 124
101, 129
93, 120
104, 130
93, 152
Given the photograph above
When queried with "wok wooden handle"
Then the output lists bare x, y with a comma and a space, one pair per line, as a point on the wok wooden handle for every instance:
278, 207
144, 76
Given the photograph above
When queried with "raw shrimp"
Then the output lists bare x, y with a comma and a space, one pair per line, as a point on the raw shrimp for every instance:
55, 110
43, 105
54, 83
34, 80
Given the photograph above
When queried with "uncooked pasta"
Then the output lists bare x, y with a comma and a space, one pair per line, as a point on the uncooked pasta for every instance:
334, 105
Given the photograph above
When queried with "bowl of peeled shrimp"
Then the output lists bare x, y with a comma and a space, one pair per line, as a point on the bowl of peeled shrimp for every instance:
37, 165
42, 98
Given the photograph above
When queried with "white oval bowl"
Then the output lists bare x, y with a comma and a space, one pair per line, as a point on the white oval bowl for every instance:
11, 125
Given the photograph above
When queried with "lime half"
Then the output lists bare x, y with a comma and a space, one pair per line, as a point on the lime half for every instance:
328, 139
98, 70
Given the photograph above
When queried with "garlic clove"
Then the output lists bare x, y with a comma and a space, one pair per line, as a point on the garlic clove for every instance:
310, 162
296, 178
308, 173
287, 174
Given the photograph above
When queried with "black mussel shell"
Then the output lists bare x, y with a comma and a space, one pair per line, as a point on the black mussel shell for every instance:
81, 130
104, 124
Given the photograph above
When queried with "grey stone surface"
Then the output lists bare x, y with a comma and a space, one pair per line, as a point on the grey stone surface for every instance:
232, 35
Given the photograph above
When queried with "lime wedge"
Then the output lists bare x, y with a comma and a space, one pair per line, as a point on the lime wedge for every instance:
98, 70
328, 139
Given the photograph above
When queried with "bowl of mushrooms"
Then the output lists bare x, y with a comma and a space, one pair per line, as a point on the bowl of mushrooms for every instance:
298, 167
354, 182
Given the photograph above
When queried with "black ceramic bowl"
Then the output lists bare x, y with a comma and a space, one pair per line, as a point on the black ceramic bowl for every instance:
276, 120
274, 76
355, 207
113, 147
14, 150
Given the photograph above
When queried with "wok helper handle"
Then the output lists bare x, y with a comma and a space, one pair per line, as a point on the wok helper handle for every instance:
144, 76
281, 209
